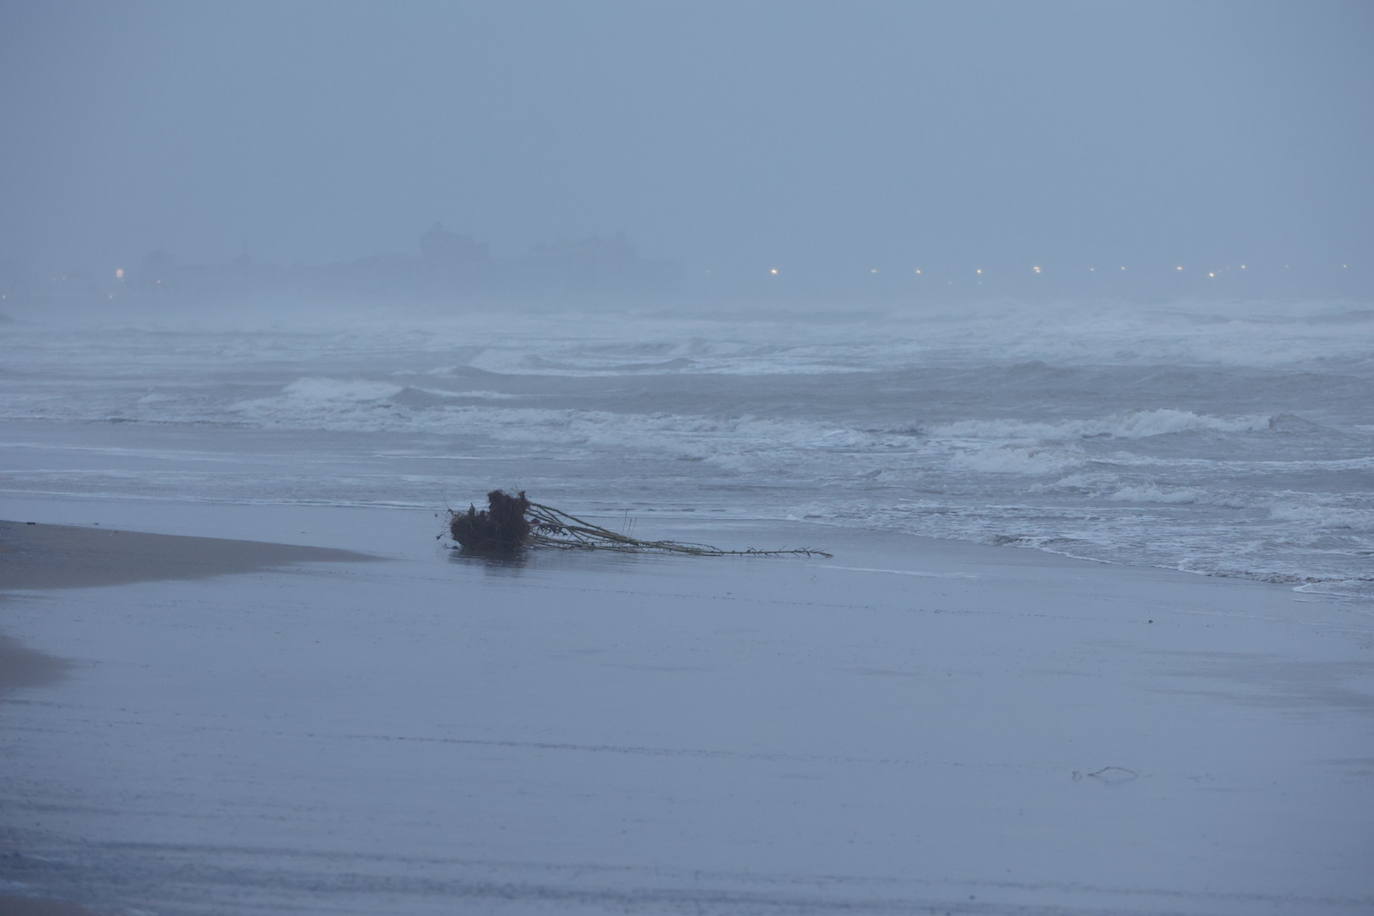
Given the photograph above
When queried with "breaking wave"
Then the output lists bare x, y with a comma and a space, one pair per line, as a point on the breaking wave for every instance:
1228, 438
1136, 424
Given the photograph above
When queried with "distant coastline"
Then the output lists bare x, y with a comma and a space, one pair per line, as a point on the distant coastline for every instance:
455, 269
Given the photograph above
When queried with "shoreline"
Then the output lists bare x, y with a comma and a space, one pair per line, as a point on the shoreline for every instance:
38, 556
47, 556
41, 906
308, 526
906, 725
281, 523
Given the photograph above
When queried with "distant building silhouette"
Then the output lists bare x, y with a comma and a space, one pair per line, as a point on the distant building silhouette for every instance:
440, 246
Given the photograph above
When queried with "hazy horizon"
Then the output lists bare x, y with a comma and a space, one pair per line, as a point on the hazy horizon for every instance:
884, 134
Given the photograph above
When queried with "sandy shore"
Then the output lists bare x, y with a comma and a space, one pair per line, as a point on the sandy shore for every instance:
909, 727
42, 556
29, 906
38, 556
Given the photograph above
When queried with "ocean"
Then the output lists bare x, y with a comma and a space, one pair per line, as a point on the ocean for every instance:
1219, 438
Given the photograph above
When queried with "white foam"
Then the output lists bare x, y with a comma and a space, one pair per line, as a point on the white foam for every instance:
1014, 460
333, 390
991, 413
1136, 424
1154, 493
1327, 517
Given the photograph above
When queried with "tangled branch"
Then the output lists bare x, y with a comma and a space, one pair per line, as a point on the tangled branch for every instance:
511, 522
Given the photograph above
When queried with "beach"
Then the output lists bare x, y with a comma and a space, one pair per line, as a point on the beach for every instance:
996, 383
341, 715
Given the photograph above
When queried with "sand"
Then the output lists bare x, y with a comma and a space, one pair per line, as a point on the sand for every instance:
11, 905
912, 726
41, 556
38, 556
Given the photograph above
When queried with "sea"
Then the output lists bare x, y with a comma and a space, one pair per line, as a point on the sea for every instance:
1221, 438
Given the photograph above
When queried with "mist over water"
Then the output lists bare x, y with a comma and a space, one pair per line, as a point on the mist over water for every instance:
1087, 277
820, 138
1223, 438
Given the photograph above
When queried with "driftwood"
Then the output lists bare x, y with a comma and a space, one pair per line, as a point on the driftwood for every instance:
500, 528
512, 522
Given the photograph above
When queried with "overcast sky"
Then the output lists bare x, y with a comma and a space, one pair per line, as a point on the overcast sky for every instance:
837, 132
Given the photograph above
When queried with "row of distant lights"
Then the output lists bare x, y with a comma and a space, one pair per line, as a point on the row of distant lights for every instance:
920, 271
1037, 270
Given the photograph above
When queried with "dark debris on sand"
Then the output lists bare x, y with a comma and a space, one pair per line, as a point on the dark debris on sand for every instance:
510, 523
501, 528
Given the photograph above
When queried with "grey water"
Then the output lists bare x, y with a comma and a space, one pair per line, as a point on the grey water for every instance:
1223, 438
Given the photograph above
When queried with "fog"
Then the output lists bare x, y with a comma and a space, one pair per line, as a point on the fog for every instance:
1050, 323
719, 136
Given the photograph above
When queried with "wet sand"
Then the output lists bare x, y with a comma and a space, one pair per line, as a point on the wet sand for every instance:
37, 556
22, 667
41, 556
911, 726
32, 906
